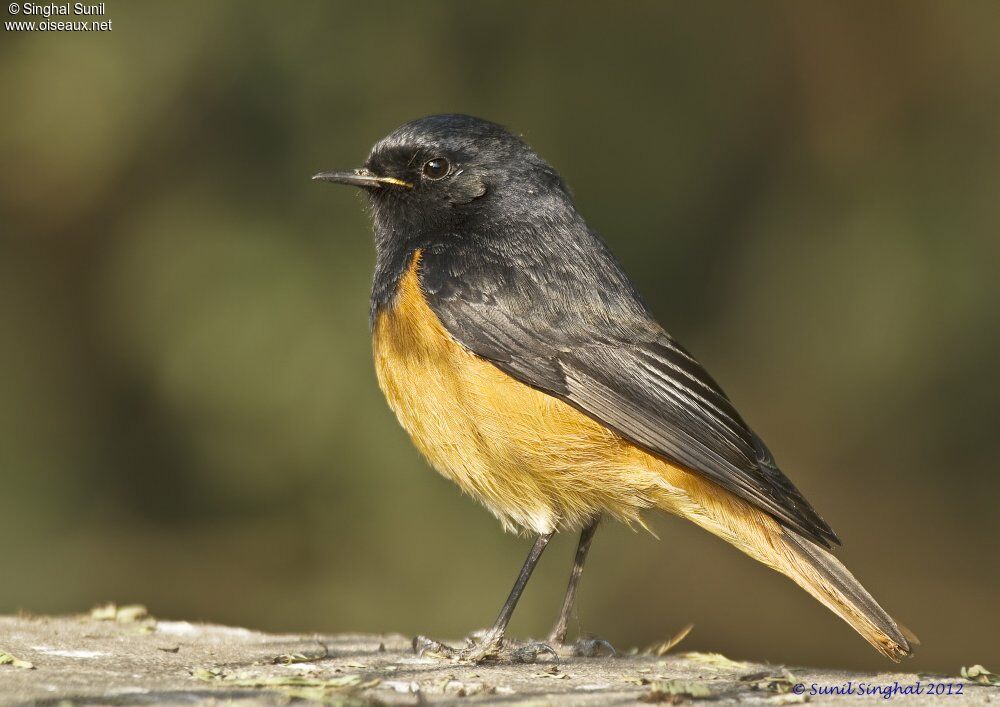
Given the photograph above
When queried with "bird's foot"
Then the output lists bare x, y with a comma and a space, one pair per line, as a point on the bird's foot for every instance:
484, 647
586, 646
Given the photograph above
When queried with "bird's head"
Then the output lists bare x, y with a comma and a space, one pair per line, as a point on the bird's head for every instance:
439, 171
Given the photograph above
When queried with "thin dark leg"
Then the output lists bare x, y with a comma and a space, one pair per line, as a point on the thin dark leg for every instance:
558, 635
500, 626
491, 645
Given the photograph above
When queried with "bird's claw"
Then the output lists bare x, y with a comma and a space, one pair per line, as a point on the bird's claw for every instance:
530, 652
424, 645
483, 648
588, 647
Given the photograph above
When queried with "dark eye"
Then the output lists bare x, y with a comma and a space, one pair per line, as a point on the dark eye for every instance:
436, 168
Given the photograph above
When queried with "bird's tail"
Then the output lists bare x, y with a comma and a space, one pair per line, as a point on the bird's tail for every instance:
807, 564
821, 574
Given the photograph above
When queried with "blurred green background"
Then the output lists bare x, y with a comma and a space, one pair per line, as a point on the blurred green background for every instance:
806, 192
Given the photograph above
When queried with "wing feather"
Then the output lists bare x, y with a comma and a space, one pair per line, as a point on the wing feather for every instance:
607, 356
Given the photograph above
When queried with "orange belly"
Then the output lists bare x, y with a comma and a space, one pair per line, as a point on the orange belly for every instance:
532, 460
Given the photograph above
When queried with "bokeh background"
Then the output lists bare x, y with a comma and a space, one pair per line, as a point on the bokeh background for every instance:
806, 192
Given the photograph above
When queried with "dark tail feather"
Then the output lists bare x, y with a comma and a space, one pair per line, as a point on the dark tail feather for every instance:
800, 559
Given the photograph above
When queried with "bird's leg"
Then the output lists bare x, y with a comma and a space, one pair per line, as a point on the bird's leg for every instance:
585, 645
558, 634
491, 643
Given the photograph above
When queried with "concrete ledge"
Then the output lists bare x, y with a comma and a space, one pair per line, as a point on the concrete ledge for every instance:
119, 656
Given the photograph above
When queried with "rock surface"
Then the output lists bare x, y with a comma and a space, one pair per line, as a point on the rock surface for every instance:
119, 656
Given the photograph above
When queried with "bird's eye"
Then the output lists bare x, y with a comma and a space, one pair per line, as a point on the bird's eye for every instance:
436, 168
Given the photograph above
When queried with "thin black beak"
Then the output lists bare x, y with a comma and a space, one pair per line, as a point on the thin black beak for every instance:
361, 178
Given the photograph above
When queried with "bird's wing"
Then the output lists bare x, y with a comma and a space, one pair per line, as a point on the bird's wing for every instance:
613, 362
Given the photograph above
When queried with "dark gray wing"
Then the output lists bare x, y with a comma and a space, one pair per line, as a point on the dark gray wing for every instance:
575, 328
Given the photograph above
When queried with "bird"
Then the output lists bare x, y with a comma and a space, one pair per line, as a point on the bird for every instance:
527, 369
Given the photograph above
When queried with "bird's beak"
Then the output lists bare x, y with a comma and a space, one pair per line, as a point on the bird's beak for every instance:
361, 178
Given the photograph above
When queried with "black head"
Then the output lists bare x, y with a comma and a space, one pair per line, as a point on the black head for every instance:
435, 173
